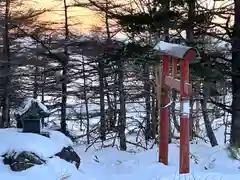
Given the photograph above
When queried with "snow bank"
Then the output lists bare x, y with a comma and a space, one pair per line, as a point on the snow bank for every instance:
207, 164
55, 169
14, 140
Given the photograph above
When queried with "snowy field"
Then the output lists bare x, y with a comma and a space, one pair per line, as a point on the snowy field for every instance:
111, 164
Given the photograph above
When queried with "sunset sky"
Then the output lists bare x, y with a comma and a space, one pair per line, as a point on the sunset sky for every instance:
84, 17
81, 16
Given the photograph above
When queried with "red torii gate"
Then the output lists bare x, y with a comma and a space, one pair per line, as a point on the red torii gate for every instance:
173, 53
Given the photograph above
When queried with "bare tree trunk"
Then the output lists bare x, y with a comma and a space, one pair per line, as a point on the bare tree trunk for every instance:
110, 114
64, 99
196, 123
225, 122
35, 88
65, 73
147, 101
86, 100
115, 100
36, 83
154, 115
101, 66
6, 58
42, 92
102, 102
210, 133
110, 107
197, 126
122, 114
191, 120
81, 119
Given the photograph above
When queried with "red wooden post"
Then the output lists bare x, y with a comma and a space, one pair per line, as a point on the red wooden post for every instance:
184, 119
164, 121
185, 110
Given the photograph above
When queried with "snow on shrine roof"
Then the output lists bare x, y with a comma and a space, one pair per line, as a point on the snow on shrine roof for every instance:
176, 50
27, 103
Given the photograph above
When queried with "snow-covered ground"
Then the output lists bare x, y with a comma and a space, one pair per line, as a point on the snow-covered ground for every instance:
111, 164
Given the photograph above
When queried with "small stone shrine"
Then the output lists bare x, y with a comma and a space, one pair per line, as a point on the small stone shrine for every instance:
29, 115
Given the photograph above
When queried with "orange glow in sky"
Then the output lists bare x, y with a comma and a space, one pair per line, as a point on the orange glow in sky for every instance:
82, 18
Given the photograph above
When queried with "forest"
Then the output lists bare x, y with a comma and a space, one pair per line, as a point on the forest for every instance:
100, 86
